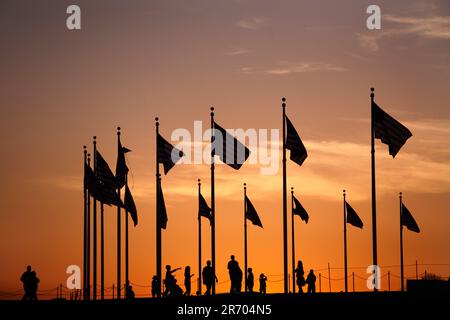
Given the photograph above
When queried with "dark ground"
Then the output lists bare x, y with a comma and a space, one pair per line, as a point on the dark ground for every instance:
336, 305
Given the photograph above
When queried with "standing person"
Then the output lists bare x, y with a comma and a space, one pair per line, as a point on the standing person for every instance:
300, 275
250, 280
130, 293
208, 277
233, 270
262, 283
155, 286
311, 281
25, 278
34, 284
187, 280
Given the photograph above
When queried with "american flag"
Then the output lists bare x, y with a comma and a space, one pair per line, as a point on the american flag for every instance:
408, 221
203, 209
251, 213
352, 216
299, 210
295, 144
167, 154
229, 149
389, 130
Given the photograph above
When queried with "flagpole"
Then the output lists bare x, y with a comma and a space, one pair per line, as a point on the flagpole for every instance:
374, 206
199, 282
127, 279
84, 229
213, 207
345, 247
102, 253
158, 218
285, 244
119, 263
402, 275
245, 236
94, 226
293, 240
88, 245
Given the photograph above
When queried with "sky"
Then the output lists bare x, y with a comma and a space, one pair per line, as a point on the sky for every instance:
133, 61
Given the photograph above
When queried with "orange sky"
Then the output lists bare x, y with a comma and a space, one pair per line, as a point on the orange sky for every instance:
174, 59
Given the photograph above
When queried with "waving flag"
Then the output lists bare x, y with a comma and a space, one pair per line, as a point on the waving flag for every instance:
408, 220
295, 144
251, 213
299, 210
203, 209
167, 154
352, 216
129, 206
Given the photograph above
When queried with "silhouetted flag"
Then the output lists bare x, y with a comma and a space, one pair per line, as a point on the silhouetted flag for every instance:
203, 209
352, 216
295, 144
408, 220
102, 193
229, 149
104, 173
168, 155
130, 207
299, 210
251, 213
389, 130
121, 166
162, 209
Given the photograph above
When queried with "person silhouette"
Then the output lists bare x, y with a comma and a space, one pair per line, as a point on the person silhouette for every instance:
250, 280
238, 283
130, 295
262, 283
169, 281
155, 287
311, 281
300, 276
233, 272
34, 284
208, 277
25, 279
187, 280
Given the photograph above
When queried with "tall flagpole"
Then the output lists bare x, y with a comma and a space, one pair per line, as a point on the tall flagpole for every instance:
213, 206
127, 279
158, 218
94, 226
245, 237
293, 240
102, 253
119, 282
402, 275
374, 205
84, 229
199, 282
345, 246
285, 244
88, 244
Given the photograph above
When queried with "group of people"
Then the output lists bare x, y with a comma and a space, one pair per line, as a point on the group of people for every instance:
30, 285
300, 279
171, 288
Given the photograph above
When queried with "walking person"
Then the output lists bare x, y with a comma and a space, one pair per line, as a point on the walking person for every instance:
311, 281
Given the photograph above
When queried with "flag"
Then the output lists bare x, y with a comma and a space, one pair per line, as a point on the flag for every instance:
229, 149
389, 130
121, 166
203, 209
167, 154
104, 173
162, 213
352, 216
408, 220
295, 144
251, 213
299, 210
98, 190
129, 206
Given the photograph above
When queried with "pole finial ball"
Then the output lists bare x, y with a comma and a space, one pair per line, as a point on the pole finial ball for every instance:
283, 99
84, 147
95, 137
372, 89
118, 128
212, 108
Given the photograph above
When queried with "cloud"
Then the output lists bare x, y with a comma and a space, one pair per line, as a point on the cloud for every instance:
236, 52
286, 67
251, 23
436, 27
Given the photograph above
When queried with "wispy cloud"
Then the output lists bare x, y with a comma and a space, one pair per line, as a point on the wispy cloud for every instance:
436, 27
236, 52
286, 67
251, 23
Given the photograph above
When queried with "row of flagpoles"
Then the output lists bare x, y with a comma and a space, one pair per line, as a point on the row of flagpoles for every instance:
103, 186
